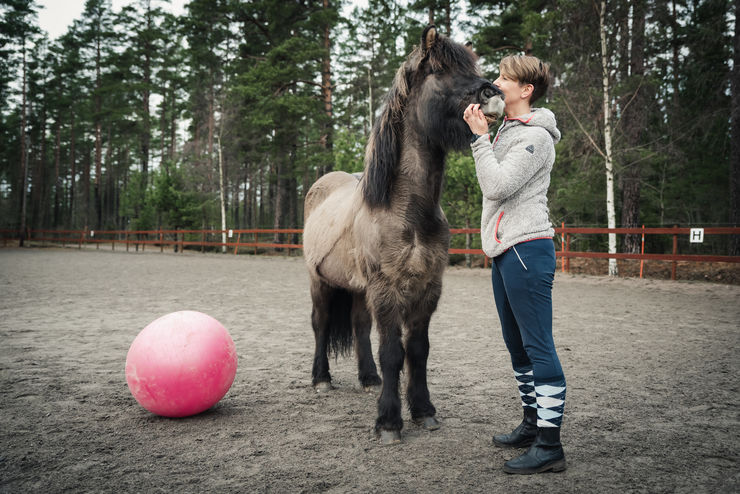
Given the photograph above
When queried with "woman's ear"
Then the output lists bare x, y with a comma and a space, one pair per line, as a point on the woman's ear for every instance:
527, 91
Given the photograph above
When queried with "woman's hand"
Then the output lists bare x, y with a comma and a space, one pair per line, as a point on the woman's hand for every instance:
475, 119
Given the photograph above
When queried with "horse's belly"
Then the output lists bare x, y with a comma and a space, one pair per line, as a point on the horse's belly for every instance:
327, 238
339, 269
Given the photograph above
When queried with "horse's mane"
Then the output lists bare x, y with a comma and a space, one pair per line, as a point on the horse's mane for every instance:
384, 145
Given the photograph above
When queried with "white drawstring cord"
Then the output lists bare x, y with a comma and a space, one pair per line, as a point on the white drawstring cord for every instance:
520, 259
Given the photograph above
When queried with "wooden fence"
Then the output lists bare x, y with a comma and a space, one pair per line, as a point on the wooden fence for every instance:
242, 240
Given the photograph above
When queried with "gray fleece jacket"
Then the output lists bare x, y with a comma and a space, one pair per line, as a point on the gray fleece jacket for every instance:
514, 174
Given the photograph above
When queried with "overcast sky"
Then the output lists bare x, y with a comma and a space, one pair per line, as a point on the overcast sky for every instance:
56, 15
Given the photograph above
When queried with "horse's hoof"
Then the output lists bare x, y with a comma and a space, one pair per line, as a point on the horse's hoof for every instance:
388, 438
428, 423
373, 388
323, 387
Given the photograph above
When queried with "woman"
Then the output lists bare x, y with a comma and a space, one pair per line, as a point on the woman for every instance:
514, 174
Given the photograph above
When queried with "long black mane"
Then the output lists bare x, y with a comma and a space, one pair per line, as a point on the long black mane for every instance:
383, 151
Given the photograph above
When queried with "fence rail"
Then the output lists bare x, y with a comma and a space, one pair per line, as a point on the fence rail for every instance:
250, 239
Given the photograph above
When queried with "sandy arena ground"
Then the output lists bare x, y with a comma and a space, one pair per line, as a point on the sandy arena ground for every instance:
652, 370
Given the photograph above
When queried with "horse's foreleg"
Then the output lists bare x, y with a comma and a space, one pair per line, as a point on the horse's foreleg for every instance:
385, 306
417, 391
389, 422
321, 297
362, 323
417, 354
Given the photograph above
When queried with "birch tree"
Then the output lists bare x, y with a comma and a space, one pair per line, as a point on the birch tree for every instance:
608, 162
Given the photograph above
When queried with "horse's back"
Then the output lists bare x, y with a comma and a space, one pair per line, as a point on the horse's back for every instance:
323, 187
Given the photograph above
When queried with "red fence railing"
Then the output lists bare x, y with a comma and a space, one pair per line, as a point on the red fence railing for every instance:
250, 239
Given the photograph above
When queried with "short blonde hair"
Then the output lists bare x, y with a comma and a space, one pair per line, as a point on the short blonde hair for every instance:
526, 69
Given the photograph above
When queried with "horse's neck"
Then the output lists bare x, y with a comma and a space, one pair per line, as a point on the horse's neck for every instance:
420, 177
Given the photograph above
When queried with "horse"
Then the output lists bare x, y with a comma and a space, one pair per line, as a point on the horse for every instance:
376, 245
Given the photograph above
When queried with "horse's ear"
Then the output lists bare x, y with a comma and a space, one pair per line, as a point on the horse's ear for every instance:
429, 37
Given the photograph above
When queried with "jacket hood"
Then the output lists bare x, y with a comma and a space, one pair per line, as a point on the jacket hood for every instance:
539, 117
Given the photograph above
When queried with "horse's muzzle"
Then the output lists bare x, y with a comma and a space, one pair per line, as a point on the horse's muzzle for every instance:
491, 101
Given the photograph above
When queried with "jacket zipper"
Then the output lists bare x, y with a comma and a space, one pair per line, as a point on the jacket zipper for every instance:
495, 230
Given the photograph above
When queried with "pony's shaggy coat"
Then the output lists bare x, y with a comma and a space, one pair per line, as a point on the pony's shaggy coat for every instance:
376, 247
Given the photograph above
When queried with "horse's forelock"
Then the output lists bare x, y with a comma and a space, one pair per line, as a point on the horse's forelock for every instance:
449, 56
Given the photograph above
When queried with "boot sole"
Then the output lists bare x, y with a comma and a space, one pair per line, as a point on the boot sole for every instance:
555, 466
520, 444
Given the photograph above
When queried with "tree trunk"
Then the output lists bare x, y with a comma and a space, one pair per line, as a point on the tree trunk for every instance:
280, 197
173, 125
249, 201
735, 149
370, 116
98, 141
57, 182
211, 120
221, 192
610, 213
635, 126
675, 45
24, 151
86, 186
39, 181
146, 131
108, 209
73, 173
163, 127
326, 95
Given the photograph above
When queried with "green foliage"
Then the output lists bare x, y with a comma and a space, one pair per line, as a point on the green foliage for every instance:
349, 151
462, 198
137, 204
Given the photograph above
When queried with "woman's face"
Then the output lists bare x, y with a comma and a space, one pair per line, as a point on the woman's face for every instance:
513, 91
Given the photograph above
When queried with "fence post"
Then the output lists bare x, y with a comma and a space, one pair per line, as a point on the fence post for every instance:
255, 243
642, 250
675, 251
238, 239
567, 249
202, 241
82, 236
562, 247
161, 240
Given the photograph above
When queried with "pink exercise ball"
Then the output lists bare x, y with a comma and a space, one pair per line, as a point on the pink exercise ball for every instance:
181, 364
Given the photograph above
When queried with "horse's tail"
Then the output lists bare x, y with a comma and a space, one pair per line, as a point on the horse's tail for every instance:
340, 322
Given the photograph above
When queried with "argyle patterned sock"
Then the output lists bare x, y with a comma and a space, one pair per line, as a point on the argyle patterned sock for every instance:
525, 381
550, 403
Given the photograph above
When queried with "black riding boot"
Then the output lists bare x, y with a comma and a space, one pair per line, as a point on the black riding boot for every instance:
546, 453
523, 435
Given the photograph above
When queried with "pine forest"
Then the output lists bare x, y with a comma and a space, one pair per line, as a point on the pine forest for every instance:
223, 116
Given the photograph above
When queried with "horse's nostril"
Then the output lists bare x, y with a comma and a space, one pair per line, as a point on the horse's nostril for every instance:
488, 93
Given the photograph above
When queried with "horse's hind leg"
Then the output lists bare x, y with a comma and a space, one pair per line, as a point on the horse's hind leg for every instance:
362, 323
321, 299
